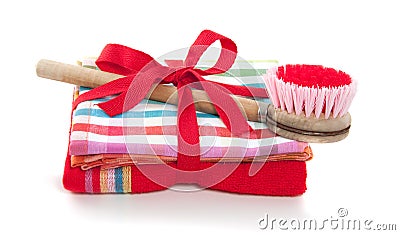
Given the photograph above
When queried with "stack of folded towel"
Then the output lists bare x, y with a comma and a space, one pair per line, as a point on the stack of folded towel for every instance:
107, 155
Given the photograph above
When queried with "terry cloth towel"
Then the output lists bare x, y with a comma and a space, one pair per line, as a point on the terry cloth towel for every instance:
95, 136
281, 178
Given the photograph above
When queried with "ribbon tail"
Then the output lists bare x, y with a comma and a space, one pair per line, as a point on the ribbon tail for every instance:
228, 109
244, 90
188, 132
110, 88
138, 88
114, 106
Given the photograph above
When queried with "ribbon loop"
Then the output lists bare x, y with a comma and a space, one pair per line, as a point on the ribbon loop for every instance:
203, 42
122, 60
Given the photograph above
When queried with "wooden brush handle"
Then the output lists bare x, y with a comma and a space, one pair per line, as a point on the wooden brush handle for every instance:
92, 78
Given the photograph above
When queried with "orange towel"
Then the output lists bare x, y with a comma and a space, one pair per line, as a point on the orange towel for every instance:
108, 161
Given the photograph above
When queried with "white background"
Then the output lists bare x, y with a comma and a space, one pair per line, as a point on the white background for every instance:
360, 173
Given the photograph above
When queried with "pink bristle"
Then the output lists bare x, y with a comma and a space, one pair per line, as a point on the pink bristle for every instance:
281, 91
340, 100
288, 97
271, 86
330, 97
298, 96
309, 104
310, 89
320, 101
352, 92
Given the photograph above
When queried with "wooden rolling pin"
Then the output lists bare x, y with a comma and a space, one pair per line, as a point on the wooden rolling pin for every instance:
92, 78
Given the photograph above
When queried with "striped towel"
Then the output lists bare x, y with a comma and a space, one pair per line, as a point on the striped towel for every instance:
150, 127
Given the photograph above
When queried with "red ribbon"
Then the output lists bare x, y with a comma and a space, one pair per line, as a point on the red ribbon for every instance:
141, 72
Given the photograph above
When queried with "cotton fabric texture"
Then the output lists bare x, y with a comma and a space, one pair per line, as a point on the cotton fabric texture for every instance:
99, 158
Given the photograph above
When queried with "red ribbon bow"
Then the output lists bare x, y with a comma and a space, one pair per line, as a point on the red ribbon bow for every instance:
141, 72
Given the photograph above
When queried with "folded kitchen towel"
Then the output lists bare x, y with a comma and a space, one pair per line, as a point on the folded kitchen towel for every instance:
150, 128
280, 178
108, 161
98, 160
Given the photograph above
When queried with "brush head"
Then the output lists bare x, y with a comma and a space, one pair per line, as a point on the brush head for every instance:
310, 89
310, 102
